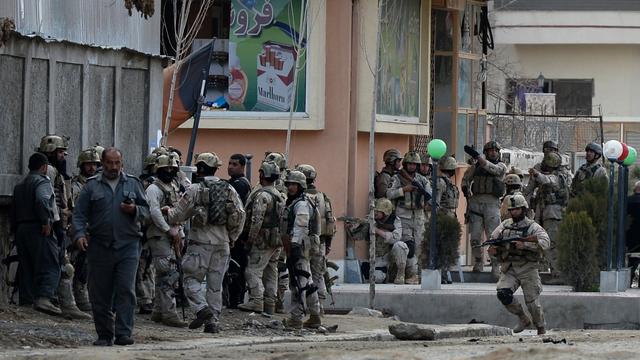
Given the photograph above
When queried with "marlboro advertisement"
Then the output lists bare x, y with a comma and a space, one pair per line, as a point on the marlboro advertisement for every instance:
262, 56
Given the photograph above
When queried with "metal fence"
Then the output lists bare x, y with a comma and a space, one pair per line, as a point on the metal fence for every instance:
530, 131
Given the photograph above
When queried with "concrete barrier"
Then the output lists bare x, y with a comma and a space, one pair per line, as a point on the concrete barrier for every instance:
462, 304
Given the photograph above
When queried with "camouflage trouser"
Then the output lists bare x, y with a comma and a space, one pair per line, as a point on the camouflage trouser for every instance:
318, 263
399, 266
484, 217
80, 289
205, 261
283, 275
305, 282
413, 230
166, 276
145, 277
262, 274
526, 275
552, 226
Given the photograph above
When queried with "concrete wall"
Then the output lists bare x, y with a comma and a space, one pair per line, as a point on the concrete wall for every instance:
90, 94
98, 22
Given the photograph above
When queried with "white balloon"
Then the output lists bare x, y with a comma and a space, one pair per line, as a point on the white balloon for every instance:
612, 149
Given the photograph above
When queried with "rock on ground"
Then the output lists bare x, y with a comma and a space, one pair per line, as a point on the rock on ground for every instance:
410, 331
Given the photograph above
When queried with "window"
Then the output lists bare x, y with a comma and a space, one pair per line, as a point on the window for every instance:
572, 96
399, 52
255, 57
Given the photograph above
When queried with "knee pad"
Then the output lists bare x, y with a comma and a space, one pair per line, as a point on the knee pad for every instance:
505, 296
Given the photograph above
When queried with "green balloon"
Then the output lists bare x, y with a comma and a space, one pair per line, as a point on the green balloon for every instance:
436, 148
631, 158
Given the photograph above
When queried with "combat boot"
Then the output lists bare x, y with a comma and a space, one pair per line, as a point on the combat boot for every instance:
202, 316
173, 321
516, 309
252, 306
478, 266
211, 328
68, 303
156, 317
269, 309
314, 322
279, 306
541, 330
399, 280
44, 305
292, 324
81, 295
413, 280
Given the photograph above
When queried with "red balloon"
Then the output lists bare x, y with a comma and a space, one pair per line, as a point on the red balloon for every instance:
625, 152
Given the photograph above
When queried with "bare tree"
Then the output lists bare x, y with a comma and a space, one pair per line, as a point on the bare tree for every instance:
185, 32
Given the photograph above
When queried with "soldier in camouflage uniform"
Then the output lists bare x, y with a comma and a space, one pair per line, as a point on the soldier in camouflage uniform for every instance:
264, 208
410, 204
217, 218
485, 187
448, 193
318, 251
391, 251
88, 162
145, 275
283, 273
513, 185
549, 146
552, 196
55, 147
392, 163
164, 240
519, 264
301, 221
591, 169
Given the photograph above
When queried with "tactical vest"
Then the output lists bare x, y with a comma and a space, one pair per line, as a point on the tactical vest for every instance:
169, 193
485, 183
327, 222
411, 200
587, 171
381, 245
271, 221
313, 216
215, 196
555, 194
451, 195
519, 255
77, 183
381, 183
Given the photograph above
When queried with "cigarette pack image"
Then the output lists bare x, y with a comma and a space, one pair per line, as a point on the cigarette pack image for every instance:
275, 71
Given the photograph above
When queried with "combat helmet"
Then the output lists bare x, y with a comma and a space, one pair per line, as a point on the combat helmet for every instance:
551, 144
517, 201
269, 169
391, 155
50, 143
163, 161
277, 158
89, 155
150, 160
552, 160
491, 145
308, 171
595, 147
411, 157
513, 180
209, 158
384, 205
296, 177
447, 163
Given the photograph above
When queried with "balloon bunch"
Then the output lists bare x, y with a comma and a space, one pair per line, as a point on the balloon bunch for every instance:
619, 152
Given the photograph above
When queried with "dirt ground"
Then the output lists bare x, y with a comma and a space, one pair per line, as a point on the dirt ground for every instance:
25, 333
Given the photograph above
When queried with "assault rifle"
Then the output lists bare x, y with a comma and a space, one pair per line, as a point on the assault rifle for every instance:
330, 280
421, 190
293, 273
471, 151
177, 249
506, 240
